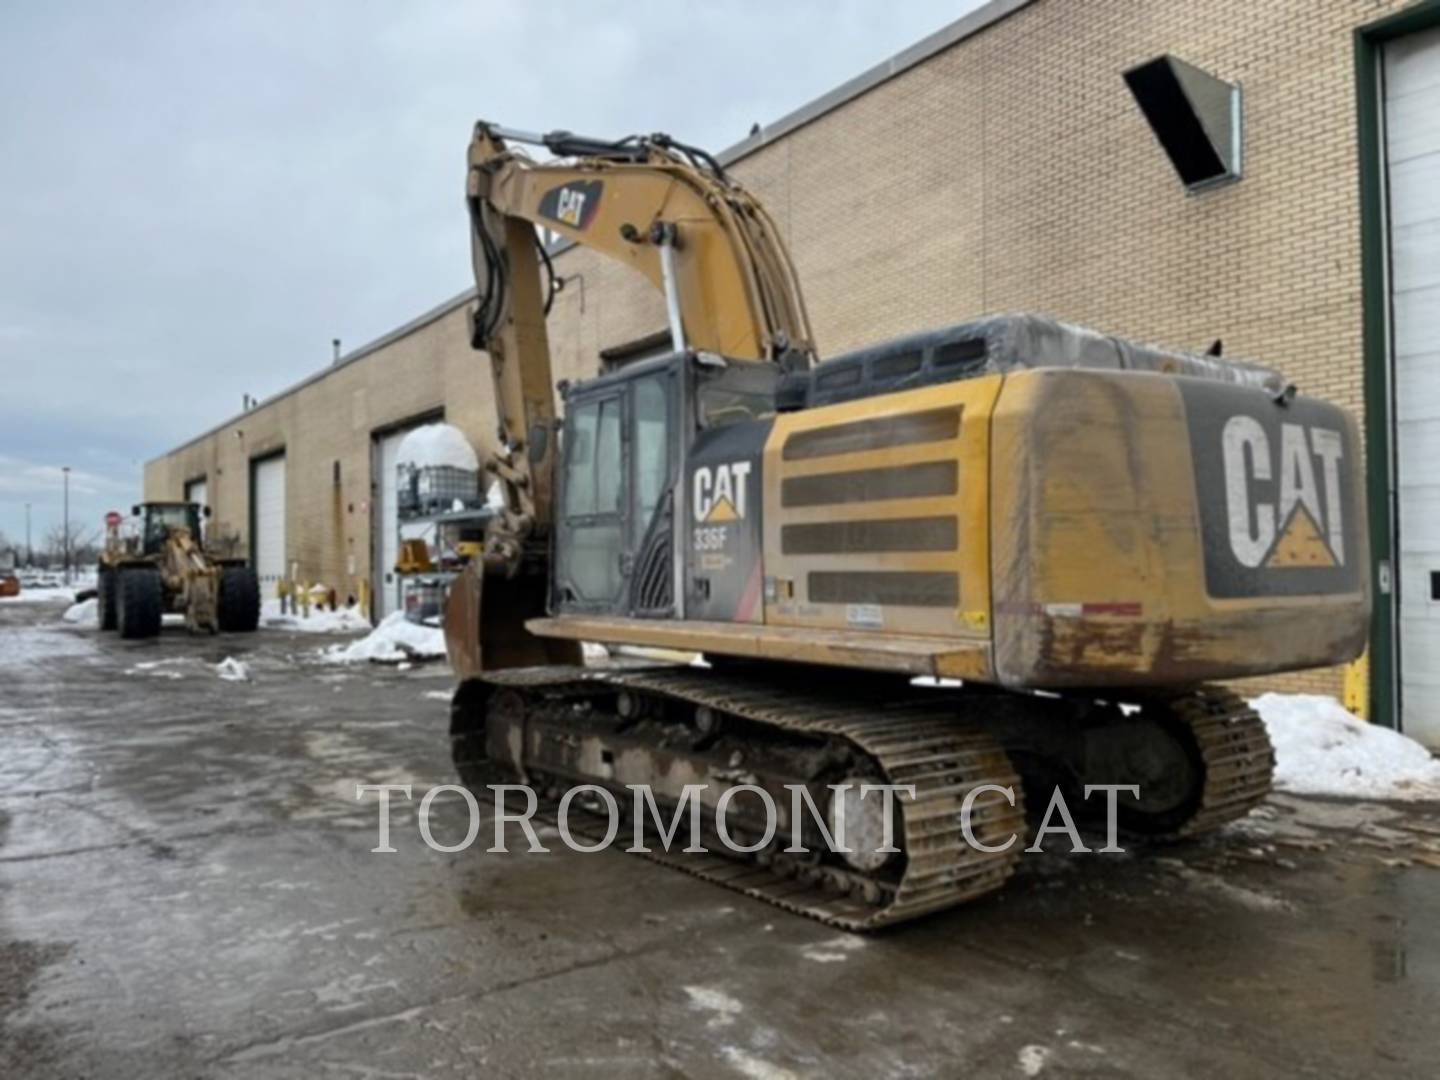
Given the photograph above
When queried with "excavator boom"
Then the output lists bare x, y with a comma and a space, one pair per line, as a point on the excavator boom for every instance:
668, 211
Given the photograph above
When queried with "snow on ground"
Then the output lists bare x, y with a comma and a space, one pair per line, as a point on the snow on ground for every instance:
161, 669
344, 621
85, 613
40, 596
232, 670
53, 589
395, 639
1320, 749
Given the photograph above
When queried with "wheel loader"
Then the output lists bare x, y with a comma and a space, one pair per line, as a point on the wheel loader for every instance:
162, 567
1009, 555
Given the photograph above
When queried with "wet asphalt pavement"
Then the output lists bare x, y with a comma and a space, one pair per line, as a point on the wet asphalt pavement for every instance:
187, 890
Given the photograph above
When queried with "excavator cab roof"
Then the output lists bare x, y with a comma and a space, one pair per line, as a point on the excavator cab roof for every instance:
724, 391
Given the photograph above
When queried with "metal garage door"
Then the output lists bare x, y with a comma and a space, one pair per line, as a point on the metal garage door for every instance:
267, 486
197, 491
1412, 153
386, 524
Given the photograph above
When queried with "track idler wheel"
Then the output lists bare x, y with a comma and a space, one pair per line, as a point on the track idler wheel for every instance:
1200, 759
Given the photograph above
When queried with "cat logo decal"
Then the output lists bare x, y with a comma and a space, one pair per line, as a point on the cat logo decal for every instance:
719, 495
1283, 496
573, 204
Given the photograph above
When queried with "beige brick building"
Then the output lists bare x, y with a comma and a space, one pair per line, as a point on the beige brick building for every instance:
1001, 164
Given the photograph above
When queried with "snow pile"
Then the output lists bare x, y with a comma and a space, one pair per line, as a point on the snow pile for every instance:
437, 444
395, 639
232, 670
1320, 749
85, 613
344, 621
40, 594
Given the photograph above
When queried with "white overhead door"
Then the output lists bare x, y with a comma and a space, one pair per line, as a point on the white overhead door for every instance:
267, 488
1412, 158
387, 524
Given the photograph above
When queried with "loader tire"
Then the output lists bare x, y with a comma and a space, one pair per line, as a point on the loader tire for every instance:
239, 600
141, 599
105, 599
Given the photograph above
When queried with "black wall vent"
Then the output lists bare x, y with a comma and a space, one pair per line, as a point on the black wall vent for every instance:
1195, 116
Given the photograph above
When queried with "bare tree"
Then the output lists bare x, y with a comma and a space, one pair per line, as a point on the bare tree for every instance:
84, 545
52, 545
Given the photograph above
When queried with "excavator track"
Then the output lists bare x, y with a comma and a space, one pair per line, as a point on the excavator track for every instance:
1235, 755
1199, 758
925, 740
913, 741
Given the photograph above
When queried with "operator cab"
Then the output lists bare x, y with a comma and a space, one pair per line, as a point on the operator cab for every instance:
158, 518
628, 437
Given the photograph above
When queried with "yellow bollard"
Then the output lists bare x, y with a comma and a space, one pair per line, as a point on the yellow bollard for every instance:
1357, 685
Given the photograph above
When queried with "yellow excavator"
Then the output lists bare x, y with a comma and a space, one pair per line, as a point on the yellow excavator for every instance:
1008, 552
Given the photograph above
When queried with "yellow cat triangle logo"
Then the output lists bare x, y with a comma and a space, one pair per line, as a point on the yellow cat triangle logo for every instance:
722, 511
1301, 543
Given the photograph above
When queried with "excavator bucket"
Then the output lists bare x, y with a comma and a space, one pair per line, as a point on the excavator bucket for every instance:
485, 625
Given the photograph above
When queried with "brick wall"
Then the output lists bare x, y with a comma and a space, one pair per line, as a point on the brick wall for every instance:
1012, 171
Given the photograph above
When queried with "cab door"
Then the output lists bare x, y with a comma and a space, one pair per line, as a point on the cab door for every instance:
591, 542
649, 562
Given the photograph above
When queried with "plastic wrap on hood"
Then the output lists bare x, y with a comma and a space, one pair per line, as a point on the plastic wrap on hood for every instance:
1003, 343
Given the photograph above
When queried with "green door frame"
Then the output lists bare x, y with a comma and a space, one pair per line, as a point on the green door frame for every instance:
1375, 304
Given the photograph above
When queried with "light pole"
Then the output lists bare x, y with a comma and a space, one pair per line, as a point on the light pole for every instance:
66, 470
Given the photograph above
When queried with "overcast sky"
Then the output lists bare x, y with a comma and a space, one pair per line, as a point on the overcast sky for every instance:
195, 198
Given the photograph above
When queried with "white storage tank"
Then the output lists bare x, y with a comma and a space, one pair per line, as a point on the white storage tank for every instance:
437, 471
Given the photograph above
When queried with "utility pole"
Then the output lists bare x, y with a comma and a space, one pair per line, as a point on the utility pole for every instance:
29, 551
66, 470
